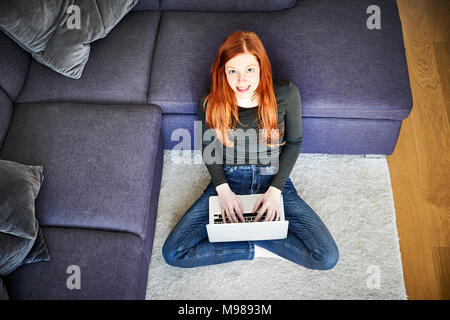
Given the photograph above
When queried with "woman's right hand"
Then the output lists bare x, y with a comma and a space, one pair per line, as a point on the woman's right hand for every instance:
230, 204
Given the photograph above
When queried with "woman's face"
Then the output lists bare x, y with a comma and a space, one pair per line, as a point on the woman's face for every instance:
242, 73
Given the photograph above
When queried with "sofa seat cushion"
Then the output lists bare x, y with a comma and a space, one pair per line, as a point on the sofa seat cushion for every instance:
342, 68
98, 162
117, 70
110, 265
229, 5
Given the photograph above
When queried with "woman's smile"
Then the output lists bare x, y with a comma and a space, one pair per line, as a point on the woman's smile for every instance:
243, 89
243, 72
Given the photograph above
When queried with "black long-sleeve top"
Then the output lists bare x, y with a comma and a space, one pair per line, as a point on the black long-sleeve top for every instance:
248, 148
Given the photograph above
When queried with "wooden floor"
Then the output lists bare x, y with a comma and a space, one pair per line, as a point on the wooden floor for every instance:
420, 164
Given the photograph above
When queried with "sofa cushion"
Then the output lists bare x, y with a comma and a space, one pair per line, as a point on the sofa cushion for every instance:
109, 267
99, 161
229, 5
57, 33
117, 71
14, 64
146, 5
342, 68
19, 187
21, 240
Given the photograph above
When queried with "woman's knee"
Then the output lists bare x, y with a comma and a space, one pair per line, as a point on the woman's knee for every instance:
171, 254
327, 259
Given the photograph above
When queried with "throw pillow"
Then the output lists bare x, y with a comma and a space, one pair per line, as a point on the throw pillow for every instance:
58, 33
3, 292
21, 240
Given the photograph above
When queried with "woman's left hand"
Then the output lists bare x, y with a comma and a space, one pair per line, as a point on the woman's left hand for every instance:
270, 201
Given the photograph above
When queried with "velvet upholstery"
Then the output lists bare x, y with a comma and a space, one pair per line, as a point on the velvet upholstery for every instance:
21, 239
56, 34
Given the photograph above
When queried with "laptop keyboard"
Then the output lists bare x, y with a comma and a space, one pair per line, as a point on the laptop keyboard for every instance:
248, 217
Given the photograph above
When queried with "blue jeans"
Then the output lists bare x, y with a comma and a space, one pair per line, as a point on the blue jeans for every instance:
309, 243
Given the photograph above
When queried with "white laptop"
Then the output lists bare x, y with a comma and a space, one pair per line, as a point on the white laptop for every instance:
248, 230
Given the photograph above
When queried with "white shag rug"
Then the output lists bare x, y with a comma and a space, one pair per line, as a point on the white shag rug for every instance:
352, 194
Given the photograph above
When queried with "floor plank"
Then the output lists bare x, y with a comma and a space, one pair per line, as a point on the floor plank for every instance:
420, 164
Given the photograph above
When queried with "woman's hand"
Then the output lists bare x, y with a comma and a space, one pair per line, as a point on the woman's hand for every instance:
230, 204
270, 201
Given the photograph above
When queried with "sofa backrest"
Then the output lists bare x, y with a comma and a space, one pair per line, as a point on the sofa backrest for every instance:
14, 62
215, 5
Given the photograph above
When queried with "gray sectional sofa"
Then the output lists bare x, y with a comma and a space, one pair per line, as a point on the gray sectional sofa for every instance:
101, 138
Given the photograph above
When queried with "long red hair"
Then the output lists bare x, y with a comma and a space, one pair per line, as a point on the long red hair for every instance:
222, 111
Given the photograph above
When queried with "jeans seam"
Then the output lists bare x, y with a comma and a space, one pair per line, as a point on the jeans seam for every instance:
212, 251
307, 234
301, 252
190, 236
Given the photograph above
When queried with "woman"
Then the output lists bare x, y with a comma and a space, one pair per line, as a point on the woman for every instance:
244, 97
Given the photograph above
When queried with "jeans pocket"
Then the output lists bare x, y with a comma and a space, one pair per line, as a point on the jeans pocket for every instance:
228, 170
267, 171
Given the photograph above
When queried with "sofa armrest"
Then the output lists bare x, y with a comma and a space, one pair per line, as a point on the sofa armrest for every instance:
98, 162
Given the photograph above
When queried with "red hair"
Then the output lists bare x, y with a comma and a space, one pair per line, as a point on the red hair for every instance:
222, 111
